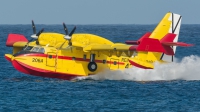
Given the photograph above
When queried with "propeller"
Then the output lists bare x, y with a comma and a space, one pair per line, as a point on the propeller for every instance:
68, 35
34, 35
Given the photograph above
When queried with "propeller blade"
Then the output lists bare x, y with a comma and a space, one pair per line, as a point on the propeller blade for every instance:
71, 33
65, 28
38, 34
33, 26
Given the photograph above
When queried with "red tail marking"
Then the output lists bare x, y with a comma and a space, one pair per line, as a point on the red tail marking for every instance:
146, 35
154, 45
149, 44
168, 50
12, 38
167, 41
168, 38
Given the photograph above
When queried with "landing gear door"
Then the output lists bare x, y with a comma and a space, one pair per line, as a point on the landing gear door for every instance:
51, 59
114, 63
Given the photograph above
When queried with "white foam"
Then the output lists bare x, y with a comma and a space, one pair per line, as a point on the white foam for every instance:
187, 69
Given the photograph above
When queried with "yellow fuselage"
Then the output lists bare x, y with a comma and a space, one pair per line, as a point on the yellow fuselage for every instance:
66, 60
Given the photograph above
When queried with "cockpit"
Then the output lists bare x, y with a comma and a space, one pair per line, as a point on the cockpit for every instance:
31, 49
34, 49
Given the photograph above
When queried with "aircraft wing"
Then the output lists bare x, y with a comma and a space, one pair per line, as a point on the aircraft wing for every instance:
117, 49
104, 47
16, 40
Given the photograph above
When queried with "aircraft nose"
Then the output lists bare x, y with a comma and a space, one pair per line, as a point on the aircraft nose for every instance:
9, 57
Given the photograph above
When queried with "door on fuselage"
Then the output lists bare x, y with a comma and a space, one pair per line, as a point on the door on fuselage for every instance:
114, 64
51, 59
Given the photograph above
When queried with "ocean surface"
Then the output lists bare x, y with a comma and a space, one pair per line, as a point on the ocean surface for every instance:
169, 87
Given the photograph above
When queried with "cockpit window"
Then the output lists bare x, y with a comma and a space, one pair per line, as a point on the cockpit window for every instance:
41, 50
28, 48
35, 49
24, 47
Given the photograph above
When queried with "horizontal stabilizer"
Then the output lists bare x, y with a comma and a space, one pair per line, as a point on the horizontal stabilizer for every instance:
162, 46
12, 38
148, 44
177, 44
168, 40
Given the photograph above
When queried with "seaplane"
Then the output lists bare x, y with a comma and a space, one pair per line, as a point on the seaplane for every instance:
70, 55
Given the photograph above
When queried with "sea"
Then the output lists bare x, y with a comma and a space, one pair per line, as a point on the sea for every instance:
169, 87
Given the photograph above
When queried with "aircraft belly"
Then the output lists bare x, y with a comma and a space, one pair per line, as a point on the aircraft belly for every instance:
37, 67
24, 68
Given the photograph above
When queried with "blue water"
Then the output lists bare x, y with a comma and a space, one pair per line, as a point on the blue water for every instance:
171, 87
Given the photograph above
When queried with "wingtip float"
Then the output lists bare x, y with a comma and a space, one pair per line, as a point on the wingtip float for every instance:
67, 56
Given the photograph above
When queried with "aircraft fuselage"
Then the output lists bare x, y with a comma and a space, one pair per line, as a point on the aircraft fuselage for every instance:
64, 63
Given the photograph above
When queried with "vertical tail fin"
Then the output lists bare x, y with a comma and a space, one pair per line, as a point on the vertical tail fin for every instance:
161, 44
169, 24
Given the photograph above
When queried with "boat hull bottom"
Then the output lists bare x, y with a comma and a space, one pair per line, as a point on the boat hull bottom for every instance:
40, 72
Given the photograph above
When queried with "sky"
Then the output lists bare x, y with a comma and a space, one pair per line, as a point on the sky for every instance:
96, 11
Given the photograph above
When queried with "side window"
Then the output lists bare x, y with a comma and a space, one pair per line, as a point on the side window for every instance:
24, 48
115, 63
28, 48
35, 49
41, 50
84, 56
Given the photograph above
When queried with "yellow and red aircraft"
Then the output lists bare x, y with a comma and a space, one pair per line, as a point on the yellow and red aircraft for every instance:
71, 55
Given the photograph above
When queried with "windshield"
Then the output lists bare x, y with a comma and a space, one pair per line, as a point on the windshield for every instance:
28, 48
41, 50
35, 49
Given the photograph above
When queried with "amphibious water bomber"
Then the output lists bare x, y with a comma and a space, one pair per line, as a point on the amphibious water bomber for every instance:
71, 55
